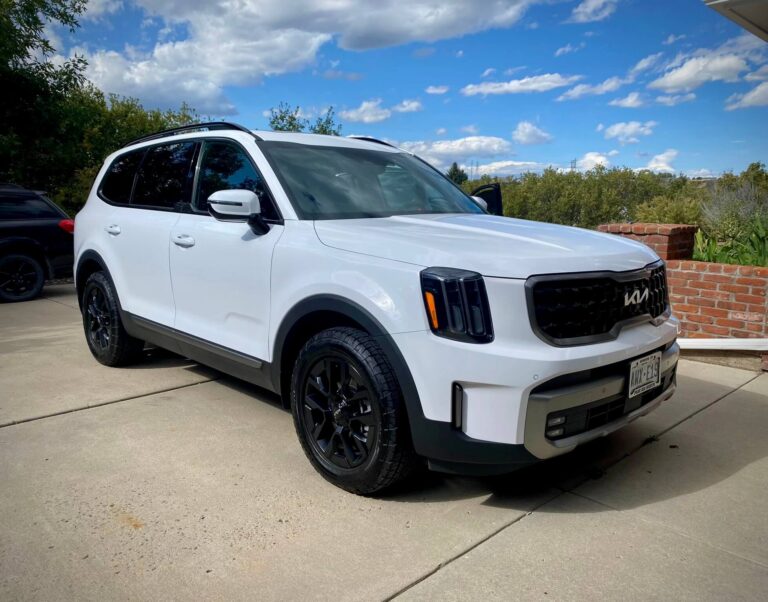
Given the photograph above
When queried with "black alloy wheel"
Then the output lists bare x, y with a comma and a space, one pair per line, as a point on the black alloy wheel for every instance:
349, 412
107, 339
339, 420
98, 320
21, 278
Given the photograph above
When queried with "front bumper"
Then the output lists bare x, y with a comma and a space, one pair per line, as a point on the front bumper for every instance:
602, 397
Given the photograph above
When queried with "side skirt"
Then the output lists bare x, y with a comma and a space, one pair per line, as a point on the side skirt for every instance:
229, 361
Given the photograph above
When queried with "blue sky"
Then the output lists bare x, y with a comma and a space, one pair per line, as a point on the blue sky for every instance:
500, 86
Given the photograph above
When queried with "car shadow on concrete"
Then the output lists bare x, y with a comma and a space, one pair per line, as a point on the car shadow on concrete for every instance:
588, 462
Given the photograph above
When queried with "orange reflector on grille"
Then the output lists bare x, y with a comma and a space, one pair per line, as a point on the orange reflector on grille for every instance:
430, 298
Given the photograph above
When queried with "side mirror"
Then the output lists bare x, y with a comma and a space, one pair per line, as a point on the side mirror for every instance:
233, 204
236, 206
491, 194
481, 202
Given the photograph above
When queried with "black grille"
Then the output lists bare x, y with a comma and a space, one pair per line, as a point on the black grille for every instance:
591, 307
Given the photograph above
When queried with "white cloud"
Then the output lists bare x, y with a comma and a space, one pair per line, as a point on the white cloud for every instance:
441, 131
675, 99
536, 83
593, 10
440, 153
609, 85
488, 72
672, 38
627, 132
757, 97
591, 160
757, 76
568, 49
630, 101
408, 106
504, 168
213, 45
469, 129
699, 70
699, 173
513, 70
95, 9
437, 89
646, 63
663, 162
613, 153
370, 111
527, 133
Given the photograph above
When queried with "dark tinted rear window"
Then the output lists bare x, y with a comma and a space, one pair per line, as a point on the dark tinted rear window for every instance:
118, 181
165, 176
26, 207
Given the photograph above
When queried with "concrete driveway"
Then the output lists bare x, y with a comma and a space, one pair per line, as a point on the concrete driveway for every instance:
170, 481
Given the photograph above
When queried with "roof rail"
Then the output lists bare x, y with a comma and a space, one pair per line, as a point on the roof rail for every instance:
192, 127
372, 139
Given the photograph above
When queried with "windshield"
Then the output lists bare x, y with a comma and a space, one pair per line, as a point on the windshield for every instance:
328, 182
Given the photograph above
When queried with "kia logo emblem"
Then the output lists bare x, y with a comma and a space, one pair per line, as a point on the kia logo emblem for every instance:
635, 297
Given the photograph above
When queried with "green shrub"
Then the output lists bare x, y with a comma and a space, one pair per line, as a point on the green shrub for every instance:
669, 210
750, 249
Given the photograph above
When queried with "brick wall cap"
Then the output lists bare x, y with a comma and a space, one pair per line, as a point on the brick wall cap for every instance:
648, 228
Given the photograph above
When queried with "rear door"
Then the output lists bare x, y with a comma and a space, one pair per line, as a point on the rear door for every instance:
221, 270
146, 188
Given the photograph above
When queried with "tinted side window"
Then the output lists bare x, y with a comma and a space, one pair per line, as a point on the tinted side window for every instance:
226, 166
118, 181
165, 176
26, 207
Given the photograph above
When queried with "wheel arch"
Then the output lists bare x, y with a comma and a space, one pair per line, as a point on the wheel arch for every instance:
320, 312
88, 263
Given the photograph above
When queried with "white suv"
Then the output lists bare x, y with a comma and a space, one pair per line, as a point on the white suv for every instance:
396, 318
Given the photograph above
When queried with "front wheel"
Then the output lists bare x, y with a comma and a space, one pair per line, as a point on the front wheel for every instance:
349, 413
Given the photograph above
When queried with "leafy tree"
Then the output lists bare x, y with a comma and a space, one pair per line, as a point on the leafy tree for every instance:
326, 124
457, 174
286, 118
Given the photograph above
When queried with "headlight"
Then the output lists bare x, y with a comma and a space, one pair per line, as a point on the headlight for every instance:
457, 304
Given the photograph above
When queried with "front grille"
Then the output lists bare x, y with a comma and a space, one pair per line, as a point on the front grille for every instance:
569, 309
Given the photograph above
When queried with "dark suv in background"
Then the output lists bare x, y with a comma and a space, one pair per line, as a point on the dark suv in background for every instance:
36, 243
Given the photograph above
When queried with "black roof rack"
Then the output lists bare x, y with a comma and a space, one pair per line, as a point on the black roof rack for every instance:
193, 127
372, 139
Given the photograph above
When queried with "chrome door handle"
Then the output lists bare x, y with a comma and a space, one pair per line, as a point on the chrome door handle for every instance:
183, 240
113, 229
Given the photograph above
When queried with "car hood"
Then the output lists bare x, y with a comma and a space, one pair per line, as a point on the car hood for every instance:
487, 244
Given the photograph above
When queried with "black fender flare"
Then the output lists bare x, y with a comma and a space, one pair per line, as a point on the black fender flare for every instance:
363, 317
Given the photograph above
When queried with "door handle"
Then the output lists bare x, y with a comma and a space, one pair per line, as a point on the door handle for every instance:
183, 240
113, 229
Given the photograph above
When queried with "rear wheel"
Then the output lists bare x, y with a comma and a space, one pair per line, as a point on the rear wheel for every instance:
107, 339
349, 413
21, 278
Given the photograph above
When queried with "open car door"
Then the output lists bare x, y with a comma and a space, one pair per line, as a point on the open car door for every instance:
491, 194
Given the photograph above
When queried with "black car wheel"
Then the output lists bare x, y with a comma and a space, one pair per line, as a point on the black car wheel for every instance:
21, 278
349, 413
108, 341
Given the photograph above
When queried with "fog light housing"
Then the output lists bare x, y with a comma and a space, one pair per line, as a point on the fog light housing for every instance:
555, 432
556, 421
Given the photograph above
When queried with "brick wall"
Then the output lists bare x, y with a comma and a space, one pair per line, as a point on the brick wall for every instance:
712, 300
715, 300
670, 241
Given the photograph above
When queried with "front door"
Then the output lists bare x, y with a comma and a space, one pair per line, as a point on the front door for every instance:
221, 270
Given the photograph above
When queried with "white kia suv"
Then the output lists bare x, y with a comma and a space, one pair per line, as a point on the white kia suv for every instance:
397, 319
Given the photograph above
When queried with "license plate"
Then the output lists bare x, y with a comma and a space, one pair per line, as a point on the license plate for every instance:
644, 374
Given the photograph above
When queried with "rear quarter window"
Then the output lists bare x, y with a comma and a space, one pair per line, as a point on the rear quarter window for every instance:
117, 185
26, 207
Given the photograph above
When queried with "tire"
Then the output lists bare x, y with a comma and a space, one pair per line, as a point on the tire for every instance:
107, 339
21, 278
355, 432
